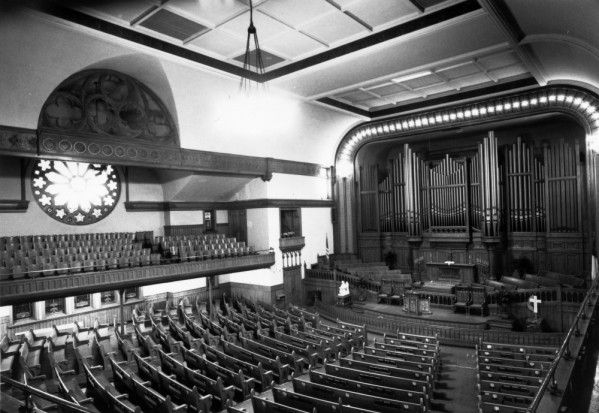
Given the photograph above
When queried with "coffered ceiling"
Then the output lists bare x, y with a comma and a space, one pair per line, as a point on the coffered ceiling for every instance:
369, 57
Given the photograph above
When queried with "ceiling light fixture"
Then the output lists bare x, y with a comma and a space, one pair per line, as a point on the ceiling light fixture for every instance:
252, 60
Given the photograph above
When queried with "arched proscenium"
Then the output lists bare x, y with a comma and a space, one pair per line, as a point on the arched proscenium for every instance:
578, 103
582, 105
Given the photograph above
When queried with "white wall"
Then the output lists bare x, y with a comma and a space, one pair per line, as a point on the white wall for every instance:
186, 217
316, 228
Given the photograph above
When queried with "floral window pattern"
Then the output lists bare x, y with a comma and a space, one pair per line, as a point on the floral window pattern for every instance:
75, 193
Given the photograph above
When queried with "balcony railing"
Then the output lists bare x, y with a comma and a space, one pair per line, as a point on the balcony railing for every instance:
42, 288
287, 244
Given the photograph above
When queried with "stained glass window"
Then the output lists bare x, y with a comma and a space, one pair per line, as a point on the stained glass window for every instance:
75, 193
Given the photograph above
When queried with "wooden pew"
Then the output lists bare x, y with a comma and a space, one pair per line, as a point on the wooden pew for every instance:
342, 339
307, 352
513, 362
149, 368
198, 331
307, 403
262, 405
355, 328
103, 390
71, 391
403, 348
317, 346
182, 335
150, 398
213, 370
355, 399
279, 370
205, 385
396, 362
377, 378
330, 344
399, 342
431, 360
565, 279
368, 388
9, 350
486, 407
517, 400
504, 368
412, 337
356, 339
262, 378
31, 357
511, 378
508, 388
297, 364
518, 283
515, 348
313, 318
404, 372
233, 326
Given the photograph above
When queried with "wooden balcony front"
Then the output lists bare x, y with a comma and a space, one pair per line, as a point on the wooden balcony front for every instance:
42, 288
287, 244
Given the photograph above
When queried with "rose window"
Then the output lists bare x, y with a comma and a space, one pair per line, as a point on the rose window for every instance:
75, 193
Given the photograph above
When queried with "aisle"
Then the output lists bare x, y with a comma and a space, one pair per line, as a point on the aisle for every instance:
456, 389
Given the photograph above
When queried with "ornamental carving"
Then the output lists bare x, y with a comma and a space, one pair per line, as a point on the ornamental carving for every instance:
105, 103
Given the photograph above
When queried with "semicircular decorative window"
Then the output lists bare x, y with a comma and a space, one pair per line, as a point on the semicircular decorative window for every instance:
75, 193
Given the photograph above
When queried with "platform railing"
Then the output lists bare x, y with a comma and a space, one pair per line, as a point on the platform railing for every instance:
564, 353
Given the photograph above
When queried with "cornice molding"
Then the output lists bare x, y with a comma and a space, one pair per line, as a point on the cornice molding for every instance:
32, 144
577, 102
141, 206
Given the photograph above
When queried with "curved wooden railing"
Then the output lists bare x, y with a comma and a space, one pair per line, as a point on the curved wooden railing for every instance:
447, 334
588, 305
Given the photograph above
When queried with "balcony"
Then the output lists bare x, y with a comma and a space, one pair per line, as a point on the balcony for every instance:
288, 244
42, 288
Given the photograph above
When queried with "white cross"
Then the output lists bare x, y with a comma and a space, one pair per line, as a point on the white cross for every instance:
535, 302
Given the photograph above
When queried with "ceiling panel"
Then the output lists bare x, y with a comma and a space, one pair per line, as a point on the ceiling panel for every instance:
460, 70
378, 12
497, 60
386, 89
508, 71
221, 42
296, 13
126, 11
172, 25
268, 59
213, 12
265, 26
334, 27
356, 95
292, 44
422, 81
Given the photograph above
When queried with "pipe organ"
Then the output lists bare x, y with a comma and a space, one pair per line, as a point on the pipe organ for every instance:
491, 193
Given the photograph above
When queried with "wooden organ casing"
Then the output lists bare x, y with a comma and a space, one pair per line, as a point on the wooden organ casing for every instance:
521, 195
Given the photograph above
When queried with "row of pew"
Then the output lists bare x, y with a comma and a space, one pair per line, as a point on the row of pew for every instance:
509, 376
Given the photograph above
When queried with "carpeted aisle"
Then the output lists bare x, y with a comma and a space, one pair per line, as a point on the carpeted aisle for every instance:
456, 389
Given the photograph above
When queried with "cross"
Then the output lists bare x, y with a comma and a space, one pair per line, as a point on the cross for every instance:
535, 303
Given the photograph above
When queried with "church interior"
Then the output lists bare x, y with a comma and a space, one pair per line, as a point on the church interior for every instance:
299, 206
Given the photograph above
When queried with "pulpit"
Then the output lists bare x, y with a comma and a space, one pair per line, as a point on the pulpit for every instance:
414, 304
